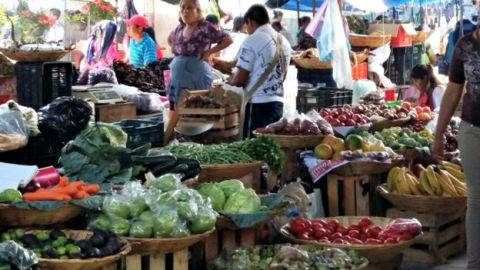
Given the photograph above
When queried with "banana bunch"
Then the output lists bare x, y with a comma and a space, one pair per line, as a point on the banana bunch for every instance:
445, 180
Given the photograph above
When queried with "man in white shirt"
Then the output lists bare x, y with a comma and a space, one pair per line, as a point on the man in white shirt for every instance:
56, 32
254, 58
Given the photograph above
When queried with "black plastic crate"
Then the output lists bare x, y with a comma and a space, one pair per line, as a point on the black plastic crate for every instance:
316, 76
142, 131
417, 52
38, 83
41, 151
399, 65
322, 98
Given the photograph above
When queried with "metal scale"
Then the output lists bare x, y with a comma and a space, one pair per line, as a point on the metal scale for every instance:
98, 94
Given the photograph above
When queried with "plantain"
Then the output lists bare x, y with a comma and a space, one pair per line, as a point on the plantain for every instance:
433, 181
414, 184
451, 164
424, 184
460, 187
401, 183
455, 172
392, 175
445, 183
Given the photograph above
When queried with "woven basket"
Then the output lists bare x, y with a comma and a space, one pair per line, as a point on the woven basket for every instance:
421, 36
365, 168
294, 141
311, 63
374, 253
17, 217
424, 204
38, 56
369, 41
82, 264
146, 246
220, 172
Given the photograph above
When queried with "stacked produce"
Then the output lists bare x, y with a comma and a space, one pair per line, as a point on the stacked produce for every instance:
165, 209
230, 197
283, 257
145, 79
346, 116
352, 148
363, 232
261, 148
403, 138
57, 245
445, 180
160, 162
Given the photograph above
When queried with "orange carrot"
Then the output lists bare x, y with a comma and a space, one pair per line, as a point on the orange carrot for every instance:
63, 181
68, 190
92, 188
45, 195
80, 195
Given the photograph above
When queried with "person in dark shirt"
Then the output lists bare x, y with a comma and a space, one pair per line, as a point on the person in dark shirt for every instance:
465, 72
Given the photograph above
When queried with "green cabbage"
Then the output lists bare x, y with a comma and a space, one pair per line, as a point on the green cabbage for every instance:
245, 201
230, 186
216, 195
166, 182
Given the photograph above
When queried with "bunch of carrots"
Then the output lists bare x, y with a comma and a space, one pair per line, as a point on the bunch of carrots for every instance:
63, 191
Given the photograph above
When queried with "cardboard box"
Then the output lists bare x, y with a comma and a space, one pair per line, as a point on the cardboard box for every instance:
402, 34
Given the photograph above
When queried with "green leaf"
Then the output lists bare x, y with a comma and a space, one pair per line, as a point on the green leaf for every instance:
92, 173
91, 203
40, 205
122, 177
73, 162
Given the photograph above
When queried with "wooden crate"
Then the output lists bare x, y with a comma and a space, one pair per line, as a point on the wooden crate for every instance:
443, 236
221, 239
158, 261
385, 265
115, 112
355, 201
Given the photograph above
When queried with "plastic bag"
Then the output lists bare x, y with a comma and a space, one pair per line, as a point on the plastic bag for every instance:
15, 254
322, 124
333, 45
362, 88
64, 118
403, 226
29, 114
102, 75
13, 131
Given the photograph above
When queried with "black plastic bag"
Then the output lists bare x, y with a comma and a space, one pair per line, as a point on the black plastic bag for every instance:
64, 118
101, 75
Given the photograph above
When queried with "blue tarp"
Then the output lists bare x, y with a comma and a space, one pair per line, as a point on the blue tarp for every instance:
306, 5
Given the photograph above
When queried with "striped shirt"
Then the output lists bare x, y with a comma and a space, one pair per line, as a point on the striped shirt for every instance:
142, 52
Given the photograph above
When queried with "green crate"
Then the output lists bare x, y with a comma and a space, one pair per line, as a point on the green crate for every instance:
142, 131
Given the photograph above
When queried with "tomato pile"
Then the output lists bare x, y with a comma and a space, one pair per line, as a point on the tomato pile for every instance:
364, 232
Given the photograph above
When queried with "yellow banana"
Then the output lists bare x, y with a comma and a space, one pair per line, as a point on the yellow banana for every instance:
424, 185
392, 175
401, 183
433, 181
414, 184
451, 164
455, 172
460, 187
445, 183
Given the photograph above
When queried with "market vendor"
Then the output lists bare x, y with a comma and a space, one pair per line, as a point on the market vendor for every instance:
143, 49
256, 54
191, 45
431, 91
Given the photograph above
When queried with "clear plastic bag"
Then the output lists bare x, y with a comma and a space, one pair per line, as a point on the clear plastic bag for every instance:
13, 131
322, 124
403, 226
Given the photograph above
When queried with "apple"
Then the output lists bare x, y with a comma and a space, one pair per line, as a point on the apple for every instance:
328, 118
335, 123
350, 122
342, 118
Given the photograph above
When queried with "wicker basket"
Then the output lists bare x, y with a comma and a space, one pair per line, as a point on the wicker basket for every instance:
37, 56
424, 204
369, 41
365, 168
294, 141
220, 172
17, 217
421, 36
82, 264
374, 253
311, 63
147, 246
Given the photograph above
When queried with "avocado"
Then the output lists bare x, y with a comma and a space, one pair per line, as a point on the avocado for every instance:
30, 240
84, 245
56, 233
93, 252
97, 240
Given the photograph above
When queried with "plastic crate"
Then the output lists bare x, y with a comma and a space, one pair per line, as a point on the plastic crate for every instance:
38, 83
41, 151
417, 52
399, 65
322, 98
360, 71
142, 131
316, 76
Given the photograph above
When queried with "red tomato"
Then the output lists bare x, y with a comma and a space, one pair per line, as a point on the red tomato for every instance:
353, 227
297, 227
365, 222
363, 237
341, 229
356, 242
342, 118
333, 222
390, 241
305, 236
320, 233
332, 229
319, 221
354, 234
406, 105
339, 241
403, 238
372, 241
316, 227
349, 114
324, 240
335, 236
373, 231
